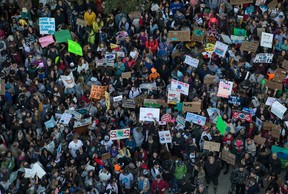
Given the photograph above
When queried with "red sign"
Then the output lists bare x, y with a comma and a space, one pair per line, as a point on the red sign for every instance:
239, 115
166, 118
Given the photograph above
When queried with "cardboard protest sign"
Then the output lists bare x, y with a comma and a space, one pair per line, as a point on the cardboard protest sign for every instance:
135, 14
249, 46
264, 58
278, 109
266, 40
140, 99
267, 125
149, 114
81, 22
275, 133
74, 47
224, 89
191, 61
220, 48
97, 91
240, 115
273, 4
259, 32
280, 75
107, 100
273, 85
196, 119
62, 36
198, 34
126, 75
106, 156
165, 137
173, 97
179, 36
154, 103
46, 25
240, 32
259, 140
195, 106
68, 81
46, 40
120, 134
210, 79
2, 87
181, 87
285, 64
211, 146
228, 157
128, 103
239, 2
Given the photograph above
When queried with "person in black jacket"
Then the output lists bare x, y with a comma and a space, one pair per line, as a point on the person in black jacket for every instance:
212, 170
275, 164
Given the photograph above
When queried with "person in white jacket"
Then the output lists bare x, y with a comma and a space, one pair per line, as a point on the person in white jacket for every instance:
83, 66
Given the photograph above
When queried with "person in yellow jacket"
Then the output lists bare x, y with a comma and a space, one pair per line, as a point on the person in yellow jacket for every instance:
97, 25
154, 75
89, 16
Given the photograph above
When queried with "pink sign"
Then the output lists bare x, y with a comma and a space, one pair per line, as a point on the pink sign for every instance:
46, 40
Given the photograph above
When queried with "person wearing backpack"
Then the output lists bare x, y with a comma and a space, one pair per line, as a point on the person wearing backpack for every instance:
143, 184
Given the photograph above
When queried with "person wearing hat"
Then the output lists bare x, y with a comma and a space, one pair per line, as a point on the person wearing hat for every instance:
154, 74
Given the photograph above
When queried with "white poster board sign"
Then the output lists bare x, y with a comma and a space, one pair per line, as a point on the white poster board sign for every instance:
65, 118
278, 109
47, 25
120, 134
266, 40
117, 98
68, 81
220, 48
181, 87
149, 114
225, 88
165, 137
270, 101
226, 38
173, 97
191, 61
263, 58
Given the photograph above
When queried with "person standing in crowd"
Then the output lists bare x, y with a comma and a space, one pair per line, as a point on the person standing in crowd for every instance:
212, 170
159, 186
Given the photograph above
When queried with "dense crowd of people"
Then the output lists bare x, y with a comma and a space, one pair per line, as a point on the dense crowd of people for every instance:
40, 158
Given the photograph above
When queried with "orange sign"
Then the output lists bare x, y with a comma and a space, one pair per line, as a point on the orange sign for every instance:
97, 91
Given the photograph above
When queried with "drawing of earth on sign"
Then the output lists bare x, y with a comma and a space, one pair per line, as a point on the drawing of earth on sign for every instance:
198, 32
120, 133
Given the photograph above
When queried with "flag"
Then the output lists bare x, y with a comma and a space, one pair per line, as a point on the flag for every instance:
74, 47
221, 125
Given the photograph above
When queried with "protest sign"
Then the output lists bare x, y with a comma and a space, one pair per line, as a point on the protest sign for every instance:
128, 103
179, 36
224, 89
258, 122
165, 137
120, 134
180, 120
240, 32
196, 119
154, 103
68, 81
230, 128
198, 34
259, 140
211, 111
97, 91
266, 40
221, 125
83, 122
267, 125
270, 101
235, 100
259, 32
46, 25
166, 118
263, 58
149, 114
275, 133
212, 146
2, 87
195, 106
107, 100
106, 156
239, 2
280, 75
50, 123
81, 22
75, 115
220, 48
273, 85
226, 39
211, 39
210, 79
29, 173
62, 36
74, 47
13, 176
240, 115
126, 75
249, 46
118, 98
50, 146
181, 87
39, 171
173, 97
191, 61
285, 64
250, 111
228, 157
238, 39
278, 109
65, 118
46, 40
273, 4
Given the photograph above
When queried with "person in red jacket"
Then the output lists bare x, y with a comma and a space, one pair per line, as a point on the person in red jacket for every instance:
152, 44
159, 186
